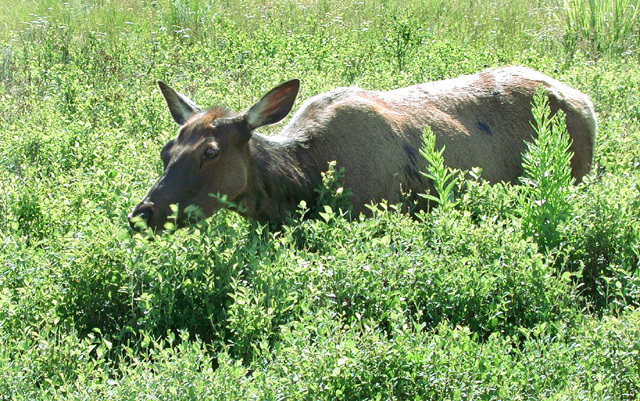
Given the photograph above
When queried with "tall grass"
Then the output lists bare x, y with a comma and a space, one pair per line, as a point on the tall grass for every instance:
603, 26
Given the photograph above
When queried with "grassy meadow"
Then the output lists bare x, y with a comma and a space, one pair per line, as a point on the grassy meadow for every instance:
502, 292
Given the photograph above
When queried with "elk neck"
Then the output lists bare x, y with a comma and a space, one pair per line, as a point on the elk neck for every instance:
281, 174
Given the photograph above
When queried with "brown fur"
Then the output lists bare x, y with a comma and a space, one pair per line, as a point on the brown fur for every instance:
482, 119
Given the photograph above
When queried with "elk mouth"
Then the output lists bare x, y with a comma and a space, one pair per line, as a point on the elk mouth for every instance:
146, 215
141, 215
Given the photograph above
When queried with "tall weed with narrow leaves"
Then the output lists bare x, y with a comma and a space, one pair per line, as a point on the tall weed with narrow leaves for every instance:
547, 183
444, 179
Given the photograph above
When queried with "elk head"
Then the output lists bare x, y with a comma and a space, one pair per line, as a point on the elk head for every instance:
210, 158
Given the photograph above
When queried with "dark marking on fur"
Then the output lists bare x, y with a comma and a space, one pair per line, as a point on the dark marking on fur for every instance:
411, 152
484, 128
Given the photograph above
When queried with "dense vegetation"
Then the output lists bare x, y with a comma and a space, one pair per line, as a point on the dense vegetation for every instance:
501, 292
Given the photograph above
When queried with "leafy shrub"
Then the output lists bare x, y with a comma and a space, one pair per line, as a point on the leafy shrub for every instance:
318, 358
603, 241
125, 286
444, 268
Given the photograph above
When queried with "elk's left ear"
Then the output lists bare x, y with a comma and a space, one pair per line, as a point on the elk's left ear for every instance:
274, 106
181, 107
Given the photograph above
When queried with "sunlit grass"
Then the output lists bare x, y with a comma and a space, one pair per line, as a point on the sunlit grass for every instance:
603, 26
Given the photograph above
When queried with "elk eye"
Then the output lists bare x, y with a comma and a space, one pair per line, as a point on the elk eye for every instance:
211, 153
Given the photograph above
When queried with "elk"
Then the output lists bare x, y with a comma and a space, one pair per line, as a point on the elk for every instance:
483, 120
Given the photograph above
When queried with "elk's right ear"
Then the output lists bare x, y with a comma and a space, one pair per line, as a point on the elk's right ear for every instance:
274, 106
182, 108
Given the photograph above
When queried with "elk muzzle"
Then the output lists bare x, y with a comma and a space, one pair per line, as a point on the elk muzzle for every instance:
141, 215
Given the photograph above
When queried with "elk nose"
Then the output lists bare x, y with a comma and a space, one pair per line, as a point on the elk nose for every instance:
141, 213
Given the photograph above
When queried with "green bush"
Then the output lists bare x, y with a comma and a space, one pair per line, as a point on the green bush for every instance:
172, 284
602, 250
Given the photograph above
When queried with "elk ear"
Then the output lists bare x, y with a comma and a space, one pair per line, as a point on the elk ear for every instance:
274, 106
182, 108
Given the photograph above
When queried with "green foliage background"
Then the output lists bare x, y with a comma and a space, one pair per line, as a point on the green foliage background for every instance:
465, 302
